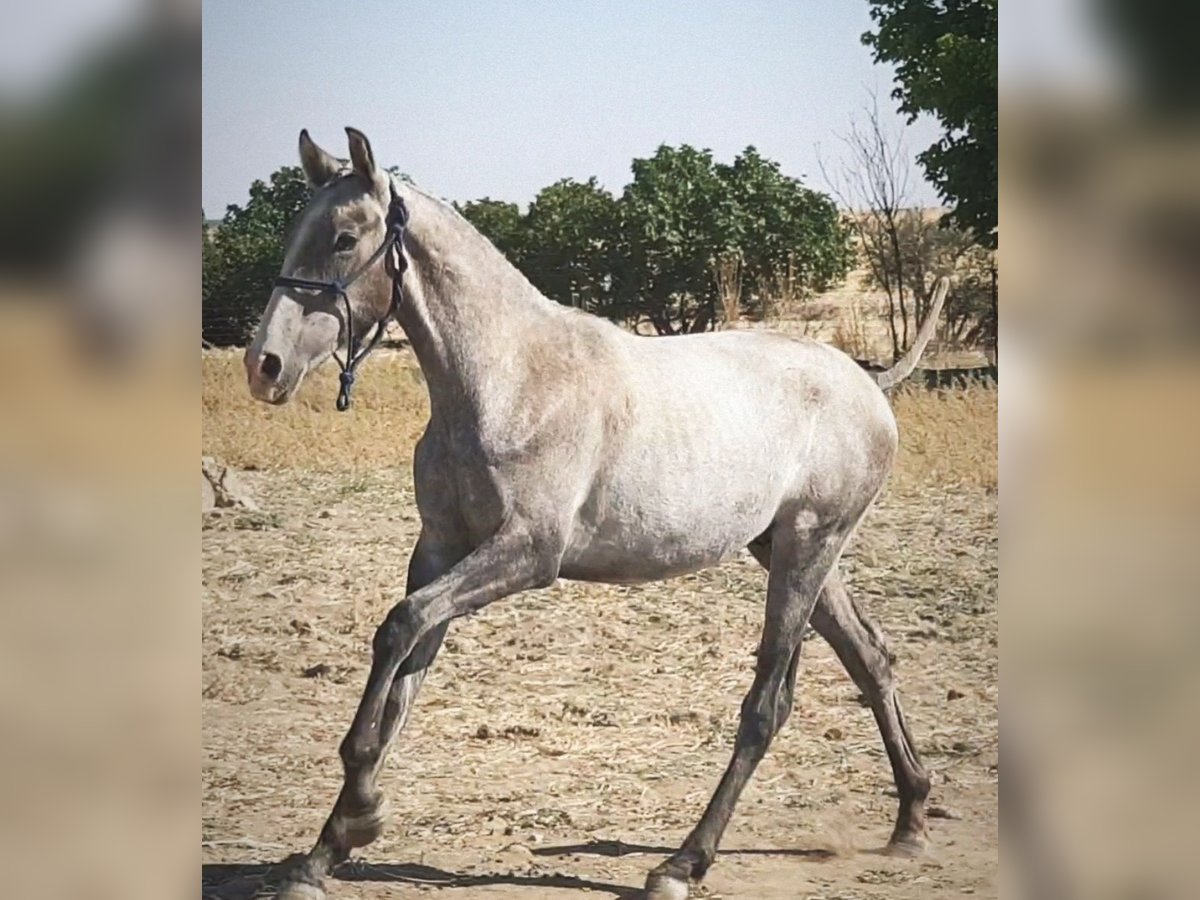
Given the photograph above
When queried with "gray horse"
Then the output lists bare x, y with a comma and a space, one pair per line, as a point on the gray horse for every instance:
561, 446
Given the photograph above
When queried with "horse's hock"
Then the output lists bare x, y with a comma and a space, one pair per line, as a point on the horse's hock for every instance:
222, 488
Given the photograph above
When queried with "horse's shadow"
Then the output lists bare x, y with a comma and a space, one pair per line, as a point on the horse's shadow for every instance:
620, 848
238, 881
250, 881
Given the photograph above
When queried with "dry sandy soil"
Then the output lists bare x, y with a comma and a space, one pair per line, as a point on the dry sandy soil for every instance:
567, 739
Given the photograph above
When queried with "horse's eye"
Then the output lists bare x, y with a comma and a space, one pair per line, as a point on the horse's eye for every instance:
345, 241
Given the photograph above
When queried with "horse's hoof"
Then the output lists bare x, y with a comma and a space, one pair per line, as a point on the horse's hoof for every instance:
909, 845
665, 887
362, 829
300, 890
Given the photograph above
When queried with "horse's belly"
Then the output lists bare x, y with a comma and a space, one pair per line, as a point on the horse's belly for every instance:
646, 533
637, 564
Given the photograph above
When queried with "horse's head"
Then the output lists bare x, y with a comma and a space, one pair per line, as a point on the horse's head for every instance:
331, 240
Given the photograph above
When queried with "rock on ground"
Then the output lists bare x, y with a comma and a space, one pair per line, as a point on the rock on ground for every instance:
221, 487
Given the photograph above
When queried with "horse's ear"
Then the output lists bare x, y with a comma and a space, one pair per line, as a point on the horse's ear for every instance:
319, 167
360, 154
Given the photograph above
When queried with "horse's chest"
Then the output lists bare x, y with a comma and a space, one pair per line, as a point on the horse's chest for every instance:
456, 493
480, 504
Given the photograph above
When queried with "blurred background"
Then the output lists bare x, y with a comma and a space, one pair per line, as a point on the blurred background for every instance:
99, 297
99, 277
1100, 217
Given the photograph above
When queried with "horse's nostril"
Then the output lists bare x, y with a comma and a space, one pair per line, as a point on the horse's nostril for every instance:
270, 366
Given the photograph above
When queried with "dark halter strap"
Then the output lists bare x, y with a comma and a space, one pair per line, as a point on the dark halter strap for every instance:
396, 263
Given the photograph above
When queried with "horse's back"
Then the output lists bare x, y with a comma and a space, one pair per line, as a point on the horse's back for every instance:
771, 382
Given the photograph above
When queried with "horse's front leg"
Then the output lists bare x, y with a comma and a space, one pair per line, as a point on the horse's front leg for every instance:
516, 559
361, 809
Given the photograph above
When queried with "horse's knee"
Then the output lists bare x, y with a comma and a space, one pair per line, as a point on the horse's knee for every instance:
758, 725
395, 636
543, 558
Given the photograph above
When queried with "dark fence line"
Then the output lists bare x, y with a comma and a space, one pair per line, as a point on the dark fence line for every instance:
958, 378
943, 378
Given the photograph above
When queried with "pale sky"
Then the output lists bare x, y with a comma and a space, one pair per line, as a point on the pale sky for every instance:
500, 99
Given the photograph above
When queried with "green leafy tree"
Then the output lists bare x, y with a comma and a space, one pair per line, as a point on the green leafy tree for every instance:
687, 219
782, 232
573, 231
654, 253
244, 253
683, 231
945, 57
676, 220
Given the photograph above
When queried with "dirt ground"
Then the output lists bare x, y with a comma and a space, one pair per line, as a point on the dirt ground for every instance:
568, 739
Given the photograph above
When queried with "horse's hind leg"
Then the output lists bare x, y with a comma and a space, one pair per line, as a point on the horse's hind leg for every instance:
860, 646
801, 557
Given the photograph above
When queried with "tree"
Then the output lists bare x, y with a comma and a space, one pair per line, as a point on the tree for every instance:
872, 183
905, 249
244, 254
685, 232
671, 214
782, 232
658, 252
697, 231
971, 306
573, 233
945, 57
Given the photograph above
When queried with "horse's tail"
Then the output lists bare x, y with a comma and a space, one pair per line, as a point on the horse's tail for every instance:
904, 367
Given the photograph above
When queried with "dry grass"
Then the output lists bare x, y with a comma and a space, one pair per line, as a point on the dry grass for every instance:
946, 437
389, 412
727, 272
850, 333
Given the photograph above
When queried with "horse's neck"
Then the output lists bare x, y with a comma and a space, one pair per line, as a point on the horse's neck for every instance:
467, 310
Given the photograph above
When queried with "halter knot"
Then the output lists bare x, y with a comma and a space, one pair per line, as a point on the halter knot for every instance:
346, 382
